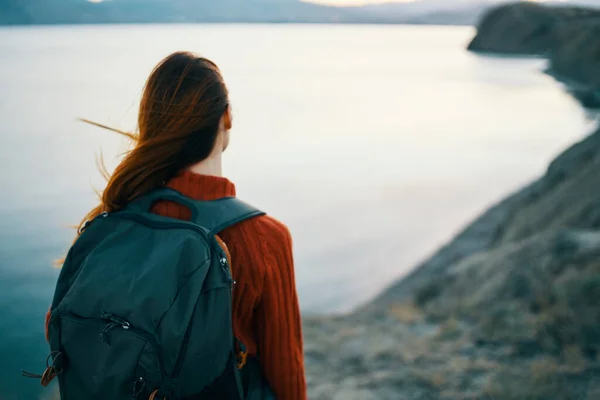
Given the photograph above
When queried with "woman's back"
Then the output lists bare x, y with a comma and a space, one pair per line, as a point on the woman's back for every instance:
266, 317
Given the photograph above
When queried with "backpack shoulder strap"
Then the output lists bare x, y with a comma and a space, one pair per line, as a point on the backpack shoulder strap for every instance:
214, 215
217, 215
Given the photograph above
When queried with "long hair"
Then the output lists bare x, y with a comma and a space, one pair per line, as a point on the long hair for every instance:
181, 107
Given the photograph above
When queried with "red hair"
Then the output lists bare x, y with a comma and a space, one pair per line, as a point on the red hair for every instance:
178, 122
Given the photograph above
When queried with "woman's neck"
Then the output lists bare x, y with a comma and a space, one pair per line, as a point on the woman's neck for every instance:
211, 166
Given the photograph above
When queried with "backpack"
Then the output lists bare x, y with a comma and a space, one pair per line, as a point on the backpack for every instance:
142, 306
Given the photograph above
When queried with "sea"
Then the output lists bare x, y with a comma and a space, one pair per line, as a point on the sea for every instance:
374, 144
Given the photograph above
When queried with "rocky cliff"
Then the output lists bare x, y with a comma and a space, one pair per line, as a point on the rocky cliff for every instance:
507, 310
575, 59
568, 36
525, 28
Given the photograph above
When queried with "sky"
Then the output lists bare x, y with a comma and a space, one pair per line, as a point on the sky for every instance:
363, 2
356, 2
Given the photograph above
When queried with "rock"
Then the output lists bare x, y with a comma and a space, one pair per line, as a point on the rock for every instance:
527, 28
575, 55
568, 36
521, 28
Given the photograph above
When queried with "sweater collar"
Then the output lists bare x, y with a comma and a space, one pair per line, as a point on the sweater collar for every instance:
202, 187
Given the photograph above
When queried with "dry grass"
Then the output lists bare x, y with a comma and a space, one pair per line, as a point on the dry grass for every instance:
483, 364
348, 332
434, 379
406, 313
543, 379
457, 364
544, 369
574, 361
450, 329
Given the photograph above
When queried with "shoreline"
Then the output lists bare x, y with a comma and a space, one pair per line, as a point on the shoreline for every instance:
504, 310
566, 36
466, 323
587, 95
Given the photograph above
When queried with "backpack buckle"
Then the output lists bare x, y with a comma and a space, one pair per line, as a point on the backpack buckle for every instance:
242, 354
48, 376
242, 358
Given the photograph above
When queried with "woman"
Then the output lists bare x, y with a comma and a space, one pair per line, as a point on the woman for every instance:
184, 122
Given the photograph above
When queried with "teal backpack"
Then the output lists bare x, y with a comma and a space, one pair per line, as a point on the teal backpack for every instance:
142, 306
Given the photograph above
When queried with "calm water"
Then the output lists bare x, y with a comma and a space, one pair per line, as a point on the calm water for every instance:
374, 144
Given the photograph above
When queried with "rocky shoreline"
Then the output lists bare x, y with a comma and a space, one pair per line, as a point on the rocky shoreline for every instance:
509, 309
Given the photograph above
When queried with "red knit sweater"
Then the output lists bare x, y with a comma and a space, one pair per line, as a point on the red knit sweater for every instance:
266, 316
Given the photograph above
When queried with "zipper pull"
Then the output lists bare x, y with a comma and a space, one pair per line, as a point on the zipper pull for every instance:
104, 334
83, 227
113, 322
87, 223
223, 261
116, 320
138, 387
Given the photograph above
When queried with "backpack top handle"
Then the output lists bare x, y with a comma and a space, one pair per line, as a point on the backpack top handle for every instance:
214, 215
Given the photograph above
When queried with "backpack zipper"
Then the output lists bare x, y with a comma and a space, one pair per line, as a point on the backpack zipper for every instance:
114, 322
224, 267
227, 272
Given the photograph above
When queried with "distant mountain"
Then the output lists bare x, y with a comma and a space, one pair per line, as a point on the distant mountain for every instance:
162, 11
26, 12
444, 12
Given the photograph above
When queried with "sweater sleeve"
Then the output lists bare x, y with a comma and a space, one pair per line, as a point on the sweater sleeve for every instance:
278, 322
